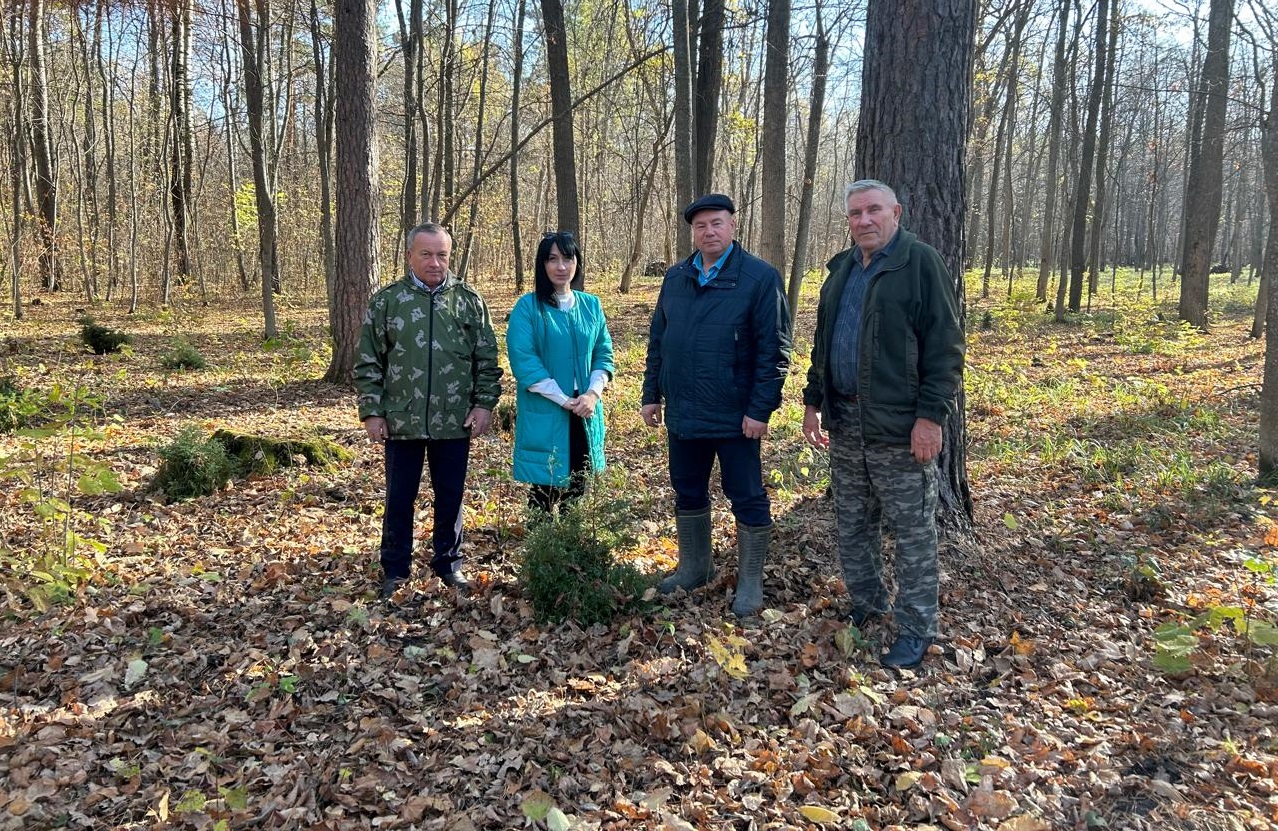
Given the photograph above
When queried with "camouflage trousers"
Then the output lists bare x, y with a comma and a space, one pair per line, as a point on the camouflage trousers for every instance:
875, 484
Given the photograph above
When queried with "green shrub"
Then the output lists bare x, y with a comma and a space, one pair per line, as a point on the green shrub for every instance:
182, 355
19, 408
568, 569
192, 465
101, 339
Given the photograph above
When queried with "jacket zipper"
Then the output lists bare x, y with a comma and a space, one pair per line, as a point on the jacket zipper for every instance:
430, 357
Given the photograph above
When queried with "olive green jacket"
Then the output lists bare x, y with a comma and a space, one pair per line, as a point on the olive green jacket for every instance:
425, 359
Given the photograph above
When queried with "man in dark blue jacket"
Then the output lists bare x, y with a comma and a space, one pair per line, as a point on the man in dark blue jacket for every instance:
718, 354
887, 363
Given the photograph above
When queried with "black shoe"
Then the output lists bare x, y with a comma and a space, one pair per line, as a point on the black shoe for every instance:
907, 653
456, 580
391, 585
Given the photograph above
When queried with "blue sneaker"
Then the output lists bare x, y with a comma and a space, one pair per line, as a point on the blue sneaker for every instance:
907, 653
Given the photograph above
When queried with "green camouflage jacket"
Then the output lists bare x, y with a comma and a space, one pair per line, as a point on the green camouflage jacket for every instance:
425, 360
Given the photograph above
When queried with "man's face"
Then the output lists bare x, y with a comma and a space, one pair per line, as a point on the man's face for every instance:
873, 218
712, 233
428, 257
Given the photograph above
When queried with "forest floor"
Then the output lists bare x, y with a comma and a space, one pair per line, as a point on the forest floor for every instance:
224, 662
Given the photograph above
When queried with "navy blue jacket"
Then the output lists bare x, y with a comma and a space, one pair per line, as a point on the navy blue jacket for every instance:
718, 352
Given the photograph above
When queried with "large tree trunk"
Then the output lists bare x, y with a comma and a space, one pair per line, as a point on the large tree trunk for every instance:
569, 215
1203, 188
706, 86
820, 70
354, 56
254, 25
684, 138
916, 97
776, 84
46, 178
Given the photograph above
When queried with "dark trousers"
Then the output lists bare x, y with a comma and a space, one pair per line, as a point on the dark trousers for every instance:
740, 470
545, 497
404, 460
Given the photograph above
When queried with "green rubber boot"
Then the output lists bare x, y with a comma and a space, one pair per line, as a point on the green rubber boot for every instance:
695, 567
752, 550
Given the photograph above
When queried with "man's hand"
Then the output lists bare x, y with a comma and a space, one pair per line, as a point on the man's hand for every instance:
583, 405
651, 414
376, 428
925, 440
812, 428
477, 420
753, 429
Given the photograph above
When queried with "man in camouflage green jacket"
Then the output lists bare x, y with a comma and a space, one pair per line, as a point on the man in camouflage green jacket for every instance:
428, 380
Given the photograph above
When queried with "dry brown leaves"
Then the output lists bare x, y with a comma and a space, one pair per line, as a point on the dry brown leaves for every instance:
229, 666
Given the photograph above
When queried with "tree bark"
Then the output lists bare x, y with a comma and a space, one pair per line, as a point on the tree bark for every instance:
816, 108
569, 212
776, 84
46, 179
324, 81
180, 147
1083, 190
912, 133
254, 24
354, 57
1204, 186
517, 85
1268, 462
706, 86
684, 137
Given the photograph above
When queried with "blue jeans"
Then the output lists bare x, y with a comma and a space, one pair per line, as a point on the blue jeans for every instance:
404, 461
740, 471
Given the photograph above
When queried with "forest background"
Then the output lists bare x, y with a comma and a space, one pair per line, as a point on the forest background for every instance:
174, 173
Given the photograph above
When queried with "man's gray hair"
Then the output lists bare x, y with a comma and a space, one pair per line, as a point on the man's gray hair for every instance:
426, 228
862, 185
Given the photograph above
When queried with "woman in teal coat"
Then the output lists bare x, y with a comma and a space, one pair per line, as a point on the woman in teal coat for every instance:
561, 356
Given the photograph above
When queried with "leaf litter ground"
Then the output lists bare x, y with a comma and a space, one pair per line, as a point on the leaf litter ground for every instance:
228, 665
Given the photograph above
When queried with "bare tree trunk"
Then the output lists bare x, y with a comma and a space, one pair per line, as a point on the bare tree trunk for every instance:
517, 85
1269, 287
411, 42
645, 193
324, 159
17, 145
180, 149
1082, 193
109, 139
684, 137
354, 57
776, 84
478, 150
232, 110
569, 216
46, 179
706, 86
1102, 161
1203, 188
820, 71
254, 37
917, 144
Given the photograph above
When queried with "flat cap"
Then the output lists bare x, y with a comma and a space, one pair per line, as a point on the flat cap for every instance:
709, 202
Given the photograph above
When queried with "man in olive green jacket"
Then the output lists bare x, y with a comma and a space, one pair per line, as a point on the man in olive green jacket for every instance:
428, 380
887, 363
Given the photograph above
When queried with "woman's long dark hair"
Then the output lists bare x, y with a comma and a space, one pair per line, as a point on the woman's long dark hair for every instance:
567, 244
